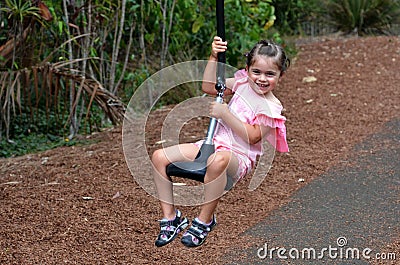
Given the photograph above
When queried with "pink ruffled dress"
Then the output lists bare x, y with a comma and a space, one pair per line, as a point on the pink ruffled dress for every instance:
251, 108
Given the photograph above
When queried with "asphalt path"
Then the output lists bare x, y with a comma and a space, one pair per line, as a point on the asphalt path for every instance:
345, 216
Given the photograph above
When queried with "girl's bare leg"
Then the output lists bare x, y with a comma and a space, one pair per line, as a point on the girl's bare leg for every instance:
220, 165
161, 159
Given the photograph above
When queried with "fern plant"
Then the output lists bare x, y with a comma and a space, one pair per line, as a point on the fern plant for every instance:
363, 16
19, 10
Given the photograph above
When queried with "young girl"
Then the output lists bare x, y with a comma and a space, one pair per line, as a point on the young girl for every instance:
253, 114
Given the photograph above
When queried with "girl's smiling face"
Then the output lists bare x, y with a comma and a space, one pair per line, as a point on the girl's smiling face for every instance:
263, 74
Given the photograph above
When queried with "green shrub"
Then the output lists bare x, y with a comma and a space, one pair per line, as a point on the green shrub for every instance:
363, 16
290, 14
33, 142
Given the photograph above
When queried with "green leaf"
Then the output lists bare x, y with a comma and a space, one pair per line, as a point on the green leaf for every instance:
60, 27
149, 37
198, 23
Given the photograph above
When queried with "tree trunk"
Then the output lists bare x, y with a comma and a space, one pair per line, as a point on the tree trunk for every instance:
117, 43
166, 29
142, 46
73, 130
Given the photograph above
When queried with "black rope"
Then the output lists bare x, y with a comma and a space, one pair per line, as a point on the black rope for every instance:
221, 33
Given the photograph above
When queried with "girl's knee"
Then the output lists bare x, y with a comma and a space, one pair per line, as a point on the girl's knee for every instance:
158, 156
217, 165
218, 160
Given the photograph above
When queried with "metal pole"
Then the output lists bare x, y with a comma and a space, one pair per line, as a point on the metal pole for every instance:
220, 75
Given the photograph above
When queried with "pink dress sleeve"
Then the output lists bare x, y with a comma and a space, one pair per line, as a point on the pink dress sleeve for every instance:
278, 140
240, 78
240, 74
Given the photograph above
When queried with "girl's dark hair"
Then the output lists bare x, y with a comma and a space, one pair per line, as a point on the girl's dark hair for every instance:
269, 49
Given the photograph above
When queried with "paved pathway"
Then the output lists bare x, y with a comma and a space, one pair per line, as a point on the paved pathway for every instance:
347, 210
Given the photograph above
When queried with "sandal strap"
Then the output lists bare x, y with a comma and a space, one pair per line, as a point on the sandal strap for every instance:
164, 224
200, 226
199, 230
166, 228
197, 233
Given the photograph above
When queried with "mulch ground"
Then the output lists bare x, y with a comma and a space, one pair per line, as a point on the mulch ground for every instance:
81, 205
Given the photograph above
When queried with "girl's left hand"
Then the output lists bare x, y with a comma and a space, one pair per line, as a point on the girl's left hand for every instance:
218, 110
218, 46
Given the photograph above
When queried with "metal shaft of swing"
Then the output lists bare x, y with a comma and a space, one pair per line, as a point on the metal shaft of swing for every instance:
220, 74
